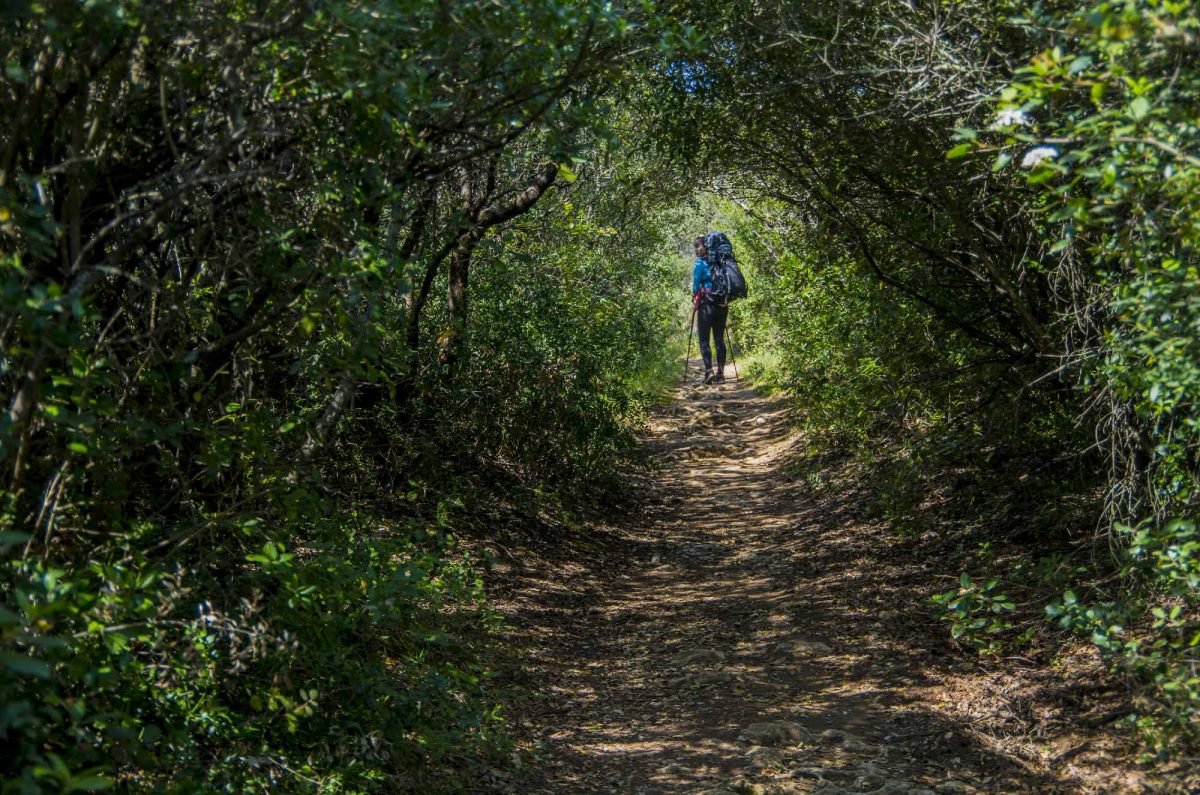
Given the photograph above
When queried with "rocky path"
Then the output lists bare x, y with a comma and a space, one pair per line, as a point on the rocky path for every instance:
744, 637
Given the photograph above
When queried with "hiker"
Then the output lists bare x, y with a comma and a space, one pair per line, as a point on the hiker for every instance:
711, 314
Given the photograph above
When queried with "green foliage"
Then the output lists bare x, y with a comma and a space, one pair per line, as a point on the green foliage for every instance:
234, 448
818, 332
1150, 635
979, 615
334, 667
1111, 101
571, 318
898, 488
1113, 98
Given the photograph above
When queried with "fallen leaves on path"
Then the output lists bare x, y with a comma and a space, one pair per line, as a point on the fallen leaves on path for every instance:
746, 634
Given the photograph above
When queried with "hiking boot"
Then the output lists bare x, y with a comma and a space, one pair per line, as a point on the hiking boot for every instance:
719, 378
709, 376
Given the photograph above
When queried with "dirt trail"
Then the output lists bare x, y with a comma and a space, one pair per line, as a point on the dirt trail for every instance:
748, 635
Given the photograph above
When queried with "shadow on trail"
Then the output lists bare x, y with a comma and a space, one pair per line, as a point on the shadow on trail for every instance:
744, 597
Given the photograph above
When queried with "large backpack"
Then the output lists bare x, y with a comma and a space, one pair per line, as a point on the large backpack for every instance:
727, 279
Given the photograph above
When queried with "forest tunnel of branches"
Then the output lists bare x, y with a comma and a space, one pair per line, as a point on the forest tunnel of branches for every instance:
295, 296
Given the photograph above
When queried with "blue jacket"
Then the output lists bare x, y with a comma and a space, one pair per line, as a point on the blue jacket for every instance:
701, 277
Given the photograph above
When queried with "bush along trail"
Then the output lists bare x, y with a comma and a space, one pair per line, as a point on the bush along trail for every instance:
746, 631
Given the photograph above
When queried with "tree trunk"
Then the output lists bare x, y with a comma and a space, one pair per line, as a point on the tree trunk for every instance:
452, 343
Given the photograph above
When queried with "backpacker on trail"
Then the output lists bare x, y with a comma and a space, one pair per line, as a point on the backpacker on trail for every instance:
716, 280
728, 282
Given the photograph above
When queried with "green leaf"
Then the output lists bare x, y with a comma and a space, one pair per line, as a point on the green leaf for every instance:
1139, 108
566, 174
959, 151
1079, 64
9, 538
89, 784
26, 666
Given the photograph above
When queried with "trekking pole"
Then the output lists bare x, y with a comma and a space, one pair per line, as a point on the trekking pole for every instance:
687, 361
732, 356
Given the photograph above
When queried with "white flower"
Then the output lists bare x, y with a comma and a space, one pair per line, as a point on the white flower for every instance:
1010, 117
1037, 155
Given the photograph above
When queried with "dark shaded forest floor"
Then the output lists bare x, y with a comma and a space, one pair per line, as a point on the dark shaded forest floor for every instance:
741, 631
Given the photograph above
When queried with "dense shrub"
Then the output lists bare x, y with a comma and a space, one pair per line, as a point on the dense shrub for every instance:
239, 410
1104, 122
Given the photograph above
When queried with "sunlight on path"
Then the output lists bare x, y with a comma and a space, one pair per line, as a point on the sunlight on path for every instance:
717, 656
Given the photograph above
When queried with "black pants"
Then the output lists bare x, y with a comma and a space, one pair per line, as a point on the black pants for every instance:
711, 317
